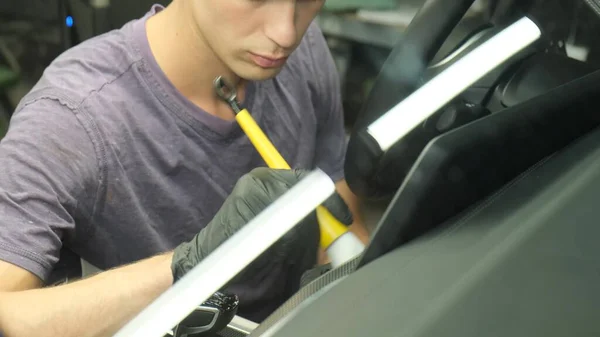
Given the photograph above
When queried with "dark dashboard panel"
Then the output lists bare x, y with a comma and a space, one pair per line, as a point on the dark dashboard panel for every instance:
522, 263
464, 166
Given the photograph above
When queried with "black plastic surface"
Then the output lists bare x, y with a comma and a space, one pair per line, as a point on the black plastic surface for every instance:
522, 263
391, 87
227, 307
402, 73
464, 30
467, 164
392, 168
198, 318
491, 79
539, 74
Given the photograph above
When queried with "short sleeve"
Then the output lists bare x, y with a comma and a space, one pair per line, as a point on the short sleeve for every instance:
331, 135
48, 170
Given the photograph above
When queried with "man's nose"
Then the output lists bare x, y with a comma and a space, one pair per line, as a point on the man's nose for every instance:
281, 24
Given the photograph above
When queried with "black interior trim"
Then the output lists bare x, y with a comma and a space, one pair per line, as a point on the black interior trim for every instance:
467, 164
522, 263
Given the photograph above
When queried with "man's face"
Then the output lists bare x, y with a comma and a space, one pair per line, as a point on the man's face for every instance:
253, 38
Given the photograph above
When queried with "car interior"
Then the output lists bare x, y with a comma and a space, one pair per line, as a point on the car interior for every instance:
489, 229
488, 221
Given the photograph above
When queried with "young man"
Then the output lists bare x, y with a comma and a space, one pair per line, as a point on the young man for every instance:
122, 153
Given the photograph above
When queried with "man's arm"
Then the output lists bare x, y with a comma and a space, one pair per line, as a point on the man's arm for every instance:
358, 225
331, 136
97, 306
100, 305
15, 278
49, 173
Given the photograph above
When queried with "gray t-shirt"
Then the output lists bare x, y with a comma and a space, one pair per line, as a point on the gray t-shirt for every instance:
105, 157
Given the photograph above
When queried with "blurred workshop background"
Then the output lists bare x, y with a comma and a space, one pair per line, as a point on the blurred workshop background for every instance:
360, 33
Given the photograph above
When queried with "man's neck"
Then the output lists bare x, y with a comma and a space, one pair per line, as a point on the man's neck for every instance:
190, 65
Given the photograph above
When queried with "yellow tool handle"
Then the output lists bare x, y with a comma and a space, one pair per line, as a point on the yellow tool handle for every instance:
331, 228
260, 141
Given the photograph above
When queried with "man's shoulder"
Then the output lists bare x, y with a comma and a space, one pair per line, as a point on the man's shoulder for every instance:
87, 68
95, 82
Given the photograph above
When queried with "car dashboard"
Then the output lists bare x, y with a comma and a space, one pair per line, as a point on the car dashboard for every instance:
523, 262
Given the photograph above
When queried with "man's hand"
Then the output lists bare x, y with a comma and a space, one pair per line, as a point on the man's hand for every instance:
276, 274
358, 226
95, 307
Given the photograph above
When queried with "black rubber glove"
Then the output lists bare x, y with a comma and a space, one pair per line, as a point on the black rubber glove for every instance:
252, 194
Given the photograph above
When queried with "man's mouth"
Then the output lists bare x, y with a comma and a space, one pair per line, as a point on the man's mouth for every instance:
267, 61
